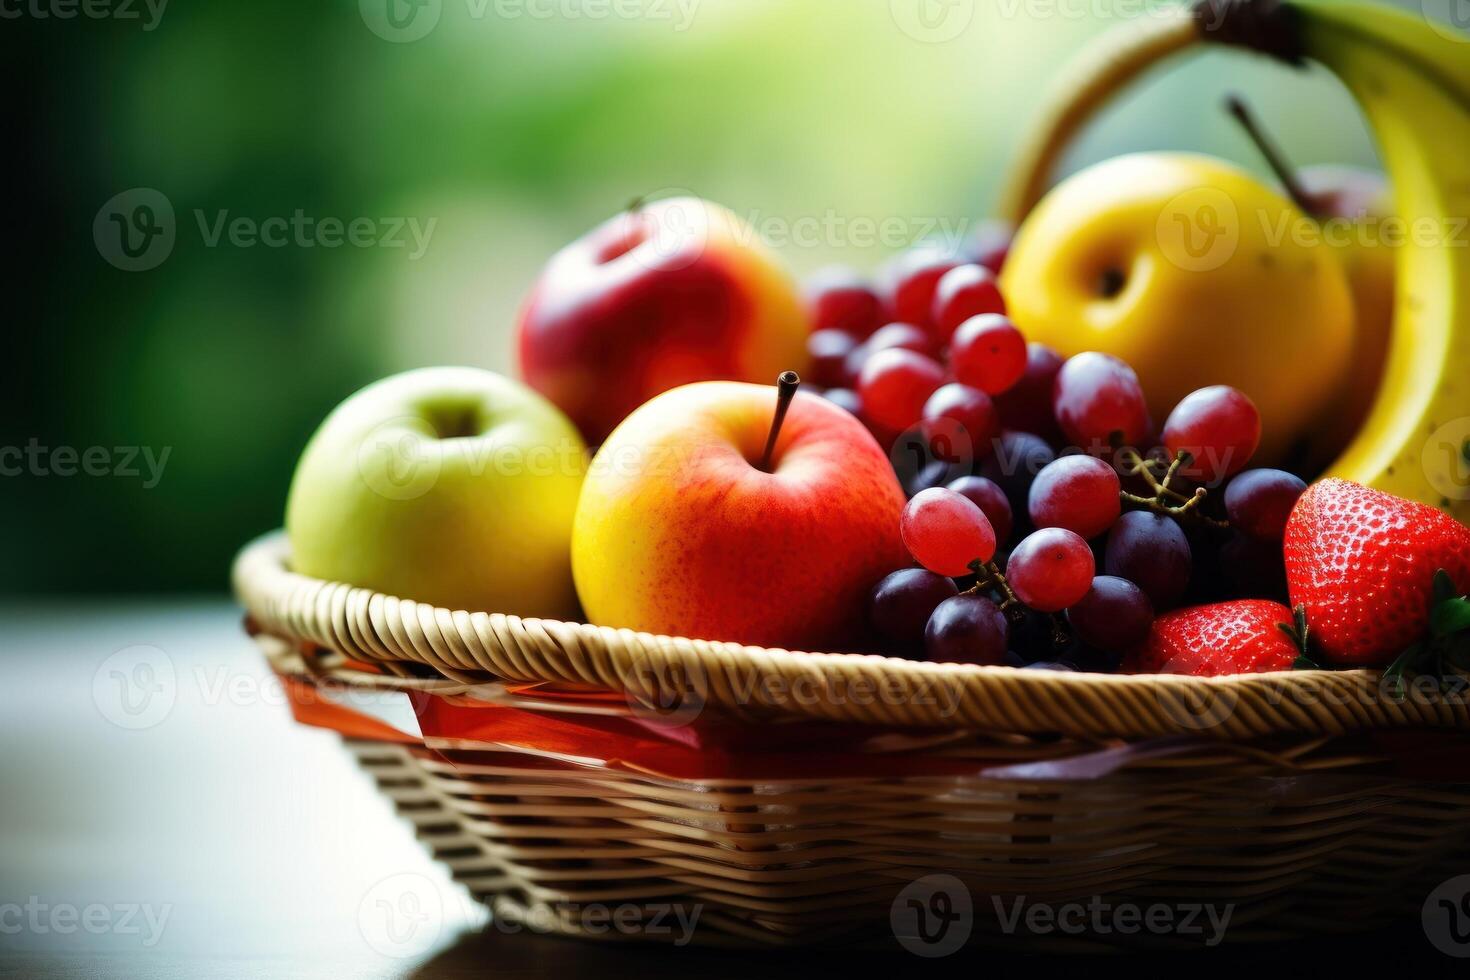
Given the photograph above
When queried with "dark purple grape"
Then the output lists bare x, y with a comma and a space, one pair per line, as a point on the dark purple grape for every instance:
1253, 569
902, 603
1258, 502
990, 498
1017, 458
1151, 551
1026, 405
967, 629
844, 398
1114, 616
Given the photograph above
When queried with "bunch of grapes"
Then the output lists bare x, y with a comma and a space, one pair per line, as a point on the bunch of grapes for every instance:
1048, 518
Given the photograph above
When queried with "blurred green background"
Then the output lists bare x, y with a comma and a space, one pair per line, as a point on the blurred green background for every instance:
512, 125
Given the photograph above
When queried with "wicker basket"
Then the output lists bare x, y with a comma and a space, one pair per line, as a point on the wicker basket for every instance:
793, 798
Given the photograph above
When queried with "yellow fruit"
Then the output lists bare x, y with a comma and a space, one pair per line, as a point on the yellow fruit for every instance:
1194, 273
1411, 75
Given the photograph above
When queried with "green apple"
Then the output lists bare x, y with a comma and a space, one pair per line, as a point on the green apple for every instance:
452, 486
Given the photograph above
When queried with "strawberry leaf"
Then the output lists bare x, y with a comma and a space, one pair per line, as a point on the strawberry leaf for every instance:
1444, 587
1393, 676
1450, 616
1304, 662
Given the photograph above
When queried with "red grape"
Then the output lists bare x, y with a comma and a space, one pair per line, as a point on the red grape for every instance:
910, 279
886, 337
989, 497
1079, 493
1258, 502
828, 350
967, 629
989, 353
902, 602
1114, 616
1219, 427
959, 422
838, 298
964, 292
1151, 551
1051, 569
1097, 396
1026, 405
895, 384
946, 532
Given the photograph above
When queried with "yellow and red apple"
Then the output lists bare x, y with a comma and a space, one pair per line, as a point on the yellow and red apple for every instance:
681, 531
669, 293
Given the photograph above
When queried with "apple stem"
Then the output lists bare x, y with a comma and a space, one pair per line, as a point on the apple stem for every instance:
786, 386
1275, 159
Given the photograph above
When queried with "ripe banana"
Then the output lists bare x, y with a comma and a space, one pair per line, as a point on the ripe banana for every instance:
1412, 80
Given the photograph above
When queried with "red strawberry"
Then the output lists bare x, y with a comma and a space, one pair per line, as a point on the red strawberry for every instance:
1240, 637
1363, 562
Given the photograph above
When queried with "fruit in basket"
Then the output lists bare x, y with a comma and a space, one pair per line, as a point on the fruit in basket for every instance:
946, 532
1240, 637
1151, 550
1098, 400
910, 279
668, 293
452, 486
1079, 493
1051, 569
1115, 615
963, 293
1173, 263
1363, 562
681, 530
967, 629
1410, 78
1218, 427
902, 603
989, 353
1258, 502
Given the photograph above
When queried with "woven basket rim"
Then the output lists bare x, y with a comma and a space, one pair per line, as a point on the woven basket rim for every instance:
667, 675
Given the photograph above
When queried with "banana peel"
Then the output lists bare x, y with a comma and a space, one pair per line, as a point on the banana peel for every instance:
1412, 79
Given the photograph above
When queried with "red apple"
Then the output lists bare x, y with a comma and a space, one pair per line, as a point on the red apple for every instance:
673, 292
680, 531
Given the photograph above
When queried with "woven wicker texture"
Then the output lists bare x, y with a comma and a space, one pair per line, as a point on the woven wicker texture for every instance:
671, 674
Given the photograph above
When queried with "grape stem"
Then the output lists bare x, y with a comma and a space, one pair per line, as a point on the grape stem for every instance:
990, 576
1186, 505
